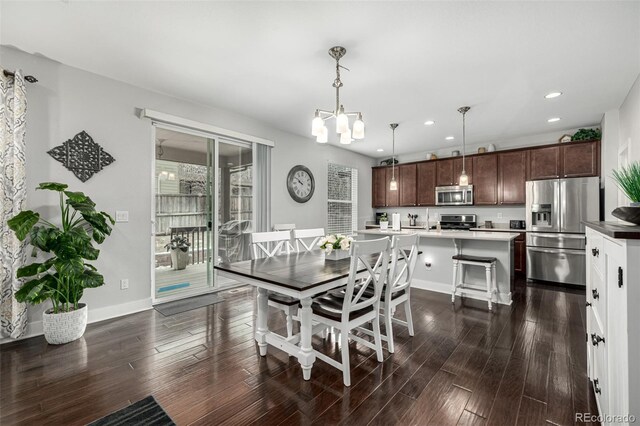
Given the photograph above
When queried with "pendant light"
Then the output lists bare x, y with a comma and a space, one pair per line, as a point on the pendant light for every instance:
393, 185
318, 126
464, 179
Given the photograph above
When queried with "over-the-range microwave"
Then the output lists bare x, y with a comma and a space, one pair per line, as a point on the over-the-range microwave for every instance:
454, 195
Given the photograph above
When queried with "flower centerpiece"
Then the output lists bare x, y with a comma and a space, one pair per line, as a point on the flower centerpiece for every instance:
336, 246
384, 222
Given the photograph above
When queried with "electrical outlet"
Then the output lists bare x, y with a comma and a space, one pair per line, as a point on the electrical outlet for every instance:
124, 284
499, 215
122, 216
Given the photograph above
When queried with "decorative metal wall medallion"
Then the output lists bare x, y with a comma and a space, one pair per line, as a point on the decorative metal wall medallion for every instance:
82, 156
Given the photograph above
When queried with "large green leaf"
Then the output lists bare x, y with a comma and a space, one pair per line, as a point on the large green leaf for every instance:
22, 223
53, 186
28, 270
91, 279
89, 252
64, 247
80, 202
97, 222
29, 290
44, 237
108, 217
70, 267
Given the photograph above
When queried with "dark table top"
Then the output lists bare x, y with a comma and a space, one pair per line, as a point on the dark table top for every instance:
297, 271
616, 229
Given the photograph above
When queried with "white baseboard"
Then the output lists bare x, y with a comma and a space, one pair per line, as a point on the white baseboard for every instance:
502, 298
34, 328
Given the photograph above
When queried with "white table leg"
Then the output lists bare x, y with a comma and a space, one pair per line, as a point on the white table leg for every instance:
261, 322
306, 357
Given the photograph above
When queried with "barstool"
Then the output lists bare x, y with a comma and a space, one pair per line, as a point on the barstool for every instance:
489, 264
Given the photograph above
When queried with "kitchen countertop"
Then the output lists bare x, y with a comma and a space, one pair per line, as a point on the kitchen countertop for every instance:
457, 235
499, 230
616, 229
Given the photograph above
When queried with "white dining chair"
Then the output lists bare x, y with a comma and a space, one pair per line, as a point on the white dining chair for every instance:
269, 244
352, 309
397, 289
307, 239
404, 256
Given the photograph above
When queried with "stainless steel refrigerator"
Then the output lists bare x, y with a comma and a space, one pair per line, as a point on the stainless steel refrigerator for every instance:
555, 233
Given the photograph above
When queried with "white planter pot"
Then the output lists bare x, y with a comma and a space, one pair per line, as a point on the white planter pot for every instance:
337, 255
384, 226
179, 259
64, 327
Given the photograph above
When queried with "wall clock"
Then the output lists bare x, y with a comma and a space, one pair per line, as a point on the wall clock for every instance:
300, 183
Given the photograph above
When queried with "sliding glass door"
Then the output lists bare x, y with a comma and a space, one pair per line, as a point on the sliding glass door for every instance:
204, 210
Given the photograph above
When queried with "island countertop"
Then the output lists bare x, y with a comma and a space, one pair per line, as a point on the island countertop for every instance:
456, 235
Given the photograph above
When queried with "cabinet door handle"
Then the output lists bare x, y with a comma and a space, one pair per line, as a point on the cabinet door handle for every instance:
588, 304
595, 339
596, 388
595, 293
595, 252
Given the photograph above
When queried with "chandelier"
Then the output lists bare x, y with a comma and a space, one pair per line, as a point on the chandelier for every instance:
318, 126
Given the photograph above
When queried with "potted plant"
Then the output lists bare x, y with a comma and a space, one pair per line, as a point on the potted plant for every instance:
335, 246
63, 277
628, 180
179, 249
384, 222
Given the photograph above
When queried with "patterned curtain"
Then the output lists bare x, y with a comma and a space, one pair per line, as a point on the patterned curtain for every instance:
13, 108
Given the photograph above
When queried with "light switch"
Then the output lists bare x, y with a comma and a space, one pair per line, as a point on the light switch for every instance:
122, 216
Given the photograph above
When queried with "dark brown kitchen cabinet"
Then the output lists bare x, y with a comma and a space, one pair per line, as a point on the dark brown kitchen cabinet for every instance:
457, 170
426, 182
520, 254
485, 179
580, 159
378, 188
444, 173
407, 184
512, 177
393, 197
544, 163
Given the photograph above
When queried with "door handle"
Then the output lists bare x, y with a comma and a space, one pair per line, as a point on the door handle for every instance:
595, 252
595, 339
595, 293
596, 388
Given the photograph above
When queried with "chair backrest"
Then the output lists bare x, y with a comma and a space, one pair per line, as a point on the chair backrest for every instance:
374, 255
284, 226
404, 255
312, 236
270, 244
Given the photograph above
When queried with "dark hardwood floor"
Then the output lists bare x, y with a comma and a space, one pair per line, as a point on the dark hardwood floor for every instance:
524, 364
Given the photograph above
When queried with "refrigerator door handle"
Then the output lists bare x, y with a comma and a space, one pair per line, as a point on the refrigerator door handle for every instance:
559, 235
558, 250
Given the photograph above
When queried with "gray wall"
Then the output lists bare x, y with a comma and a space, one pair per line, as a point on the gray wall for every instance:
67, 100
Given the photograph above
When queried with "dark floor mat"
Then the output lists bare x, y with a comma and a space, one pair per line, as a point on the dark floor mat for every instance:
144, 412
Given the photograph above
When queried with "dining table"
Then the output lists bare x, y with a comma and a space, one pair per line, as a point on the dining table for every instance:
302, 276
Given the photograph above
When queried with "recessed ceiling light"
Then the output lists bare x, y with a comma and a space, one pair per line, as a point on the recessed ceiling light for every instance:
552, 95
429, 123
449, 138
553, 120
379, 149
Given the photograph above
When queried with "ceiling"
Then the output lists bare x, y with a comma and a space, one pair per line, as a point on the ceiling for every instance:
409, 61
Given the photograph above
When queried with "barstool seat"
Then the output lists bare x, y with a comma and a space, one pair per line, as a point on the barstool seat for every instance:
489, 263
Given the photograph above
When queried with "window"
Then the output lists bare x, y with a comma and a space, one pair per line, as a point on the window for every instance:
342, 199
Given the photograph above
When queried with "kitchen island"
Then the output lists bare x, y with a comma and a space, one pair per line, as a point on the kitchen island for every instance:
434, 270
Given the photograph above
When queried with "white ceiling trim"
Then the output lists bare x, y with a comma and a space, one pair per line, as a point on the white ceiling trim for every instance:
174, 120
